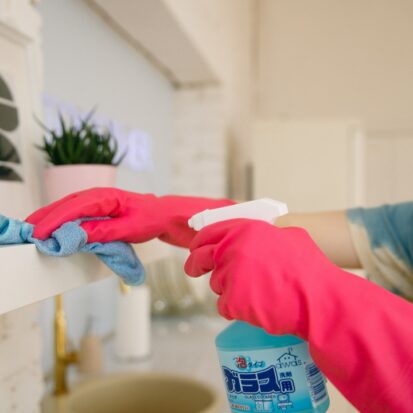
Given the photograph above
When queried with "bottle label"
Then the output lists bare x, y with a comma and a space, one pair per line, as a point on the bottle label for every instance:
273, 380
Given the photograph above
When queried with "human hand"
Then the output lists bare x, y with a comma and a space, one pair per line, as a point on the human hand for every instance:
263, 275
134, 217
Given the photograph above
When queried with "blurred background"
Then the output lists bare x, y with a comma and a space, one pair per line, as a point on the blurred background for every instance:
307, 102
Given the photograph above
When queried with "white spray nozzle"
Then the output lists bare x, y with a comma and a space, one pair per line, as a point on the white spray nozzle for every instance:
265, 209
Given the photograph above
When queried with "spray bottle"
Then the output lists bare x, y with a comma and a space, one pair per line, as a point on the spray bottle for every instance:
264, 372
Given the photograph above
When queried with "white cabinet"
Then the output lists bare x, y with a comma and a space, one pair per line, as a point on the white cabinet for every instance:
389, 167
311, 164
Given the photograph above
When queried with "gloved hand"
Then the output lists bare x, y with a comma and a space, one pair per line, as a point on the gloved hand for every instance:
359, 334
135, 217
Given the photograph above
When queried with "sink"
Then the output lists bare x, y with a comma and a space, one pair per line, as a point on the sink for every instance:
137, 393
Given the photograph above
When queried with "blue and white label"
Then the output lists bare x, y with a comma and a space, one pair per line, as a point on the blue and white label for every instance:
273, 380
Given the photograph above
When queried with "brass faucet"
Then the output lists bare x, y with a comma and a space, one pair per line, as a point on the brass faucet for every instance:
63, 358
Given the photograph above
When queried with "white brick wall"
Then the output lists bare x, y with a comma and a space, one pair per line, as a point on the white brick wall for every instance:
21, 381
199, 149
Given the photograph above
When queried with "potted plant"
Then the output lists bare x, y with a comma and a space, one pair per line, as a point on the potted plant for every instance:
80, 156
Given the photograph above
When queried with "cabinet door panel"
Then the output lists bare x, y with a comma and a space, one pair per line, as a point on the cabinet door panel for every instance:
311, 165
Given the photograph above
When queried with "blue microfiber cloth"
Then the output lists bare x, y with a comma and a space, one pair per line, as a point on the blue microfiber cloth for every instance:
71, 238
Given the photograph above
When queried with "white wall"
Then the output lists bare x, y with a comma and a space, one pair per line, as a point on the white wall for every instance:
86, 63
337, 58
223, 32
345, 59
21, 381
200, 150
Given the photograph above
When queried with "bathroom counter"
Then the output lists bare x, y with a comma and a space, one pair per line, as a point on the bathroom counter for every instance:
181, 346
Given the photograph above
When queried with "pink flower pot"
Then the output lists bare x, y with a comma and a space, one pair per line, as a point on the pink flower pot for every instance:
62, 180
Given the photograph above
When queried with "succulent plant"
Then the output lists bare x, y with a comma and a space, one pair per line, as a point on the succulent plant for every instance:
80, 144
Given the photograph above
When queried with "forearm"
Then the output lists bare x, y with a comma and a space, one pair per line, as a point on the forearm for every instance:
330, 231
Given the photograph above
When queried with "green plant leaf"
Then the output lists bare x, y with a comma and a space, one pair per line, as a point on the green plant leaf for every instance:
62, 124
79, 144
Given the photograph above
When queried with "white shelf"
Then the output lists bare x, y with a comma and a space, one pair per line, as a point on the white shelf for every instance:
27, 276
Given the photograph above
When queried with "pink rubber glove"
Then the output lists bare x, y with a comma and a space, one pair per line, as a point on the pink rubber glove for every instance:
135, 217
360, 335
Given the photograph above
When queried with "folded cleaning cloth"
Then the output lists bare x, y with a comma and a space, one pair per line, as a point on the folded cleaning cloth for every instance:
71, 238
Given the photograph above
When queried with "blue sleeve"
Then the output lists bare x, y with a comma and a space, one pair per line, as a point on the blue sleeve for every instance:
383, 237
389, 226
